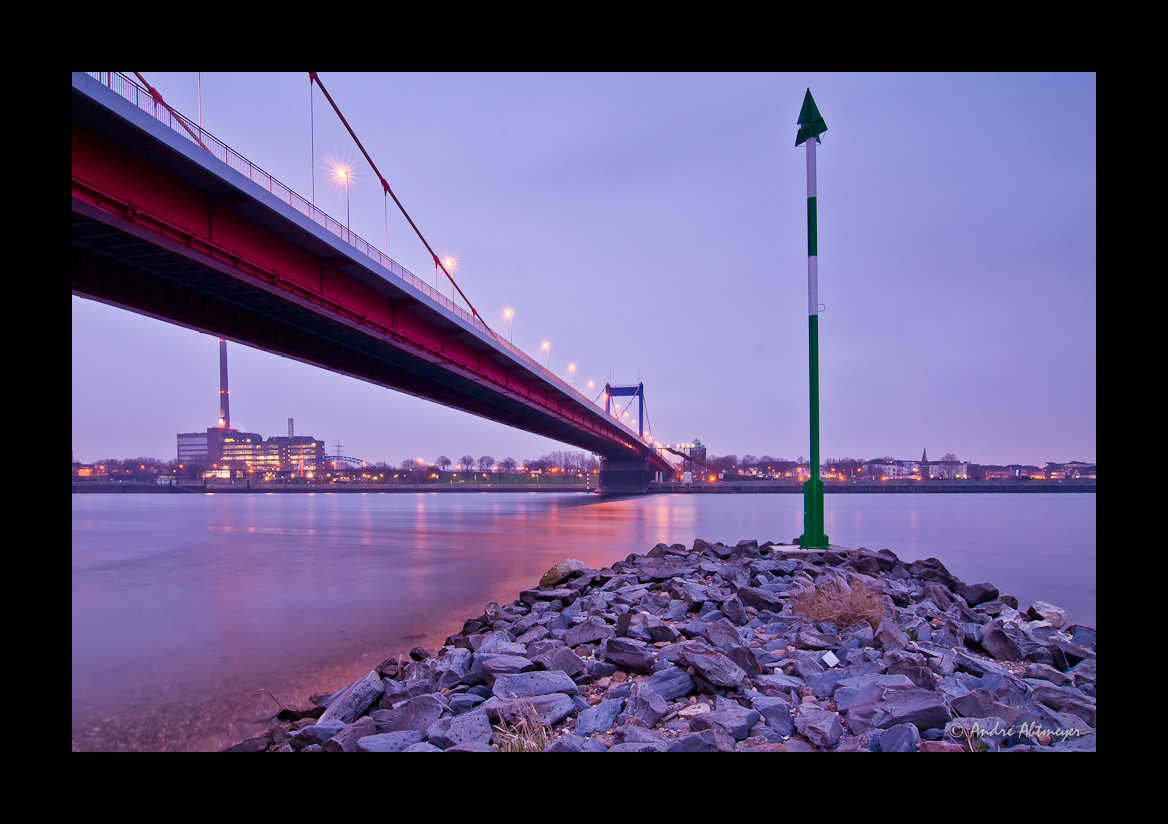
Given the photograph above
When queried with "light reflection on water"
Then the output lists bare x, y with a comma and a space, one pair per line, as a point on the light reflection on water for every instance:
185, 606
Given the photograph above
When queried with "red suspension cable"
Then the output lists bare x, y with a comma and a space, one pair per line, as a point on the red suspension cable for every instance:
315, 78
158, 99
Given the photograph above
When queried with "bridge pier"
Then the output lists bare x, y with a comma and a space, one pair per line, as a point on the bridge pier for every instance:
625, 476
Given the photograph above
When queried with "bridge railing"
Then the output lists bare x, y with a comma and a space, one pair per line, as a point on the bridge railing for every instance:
147, 102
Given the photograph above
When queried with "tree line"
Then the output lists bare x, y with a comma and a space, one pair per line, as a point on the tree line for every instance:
560, 460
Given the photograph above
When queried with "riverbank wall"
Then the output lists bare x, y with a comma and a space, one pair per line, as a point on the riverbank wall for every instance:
876, 487
234, 488
718, 488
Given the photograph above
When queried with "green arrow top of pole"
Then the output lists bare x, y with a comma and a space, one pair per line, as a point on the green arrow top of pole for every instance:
810, 121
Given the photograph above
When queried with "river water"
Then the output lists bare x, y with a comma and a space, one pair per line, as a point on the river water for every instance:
190, 612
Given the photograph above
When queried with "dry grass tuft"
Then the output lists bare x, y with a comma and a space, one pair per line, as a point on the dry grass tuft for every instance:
525, 733
834, 600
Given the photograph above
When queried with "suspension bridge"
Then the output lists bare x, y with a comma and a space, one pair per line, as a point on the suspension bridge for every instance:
171, 223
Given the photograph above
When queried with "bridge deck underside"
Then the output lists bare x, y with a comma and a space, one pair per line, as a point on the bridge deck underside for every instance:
161, 284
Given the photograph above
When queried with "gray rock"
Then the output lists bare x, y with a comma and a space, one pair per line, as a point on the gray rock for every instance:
1042, 611
415, 714
354, 700
453, 730
389, 741
707, 740
657, 570
598, 718
592, 629
563, 595
493, 667
900, 738
563, 659
316, 734
671, 683
532, 684
471, 746
569, 743
981, 703
722, 634
778, 681
645, 705
760, 599
998, 643
820, 727
734, 610
637, 747
637, 734
975, 594
422, 746
808, 637
488, 642
1067, 700
549, 709
890, 637
1048, 673
346, 740
1083, 674
922, 708
561, 572
629, 654
710, 664
736, 721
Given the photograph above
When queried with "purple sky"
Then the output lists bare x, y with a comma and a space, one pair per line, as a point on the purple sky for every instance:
653, 227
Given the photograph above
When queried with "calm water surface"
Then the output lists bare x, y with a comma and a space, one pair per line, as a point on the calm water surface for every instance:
187, 607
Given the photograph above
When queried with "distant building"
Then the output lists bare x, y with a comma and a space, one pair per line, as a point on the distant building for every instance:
994, 473
250, 451
192, 448
882, 469
224, 448
1070, 470
943, 469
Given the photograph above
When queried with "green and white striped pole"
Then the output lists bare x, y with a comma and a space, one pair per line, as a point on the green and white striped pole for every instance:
811, 126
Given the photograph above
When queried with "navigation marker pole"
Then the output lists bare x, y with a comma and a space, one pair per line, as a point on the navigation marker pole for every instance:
811, 126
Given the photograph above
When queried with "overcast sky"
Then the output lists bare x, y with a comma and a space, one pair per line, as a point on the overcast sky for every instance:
652, 227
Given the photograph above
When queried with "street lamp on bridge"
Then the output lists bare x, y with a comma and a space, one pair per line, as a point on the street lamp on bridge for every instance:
343, 174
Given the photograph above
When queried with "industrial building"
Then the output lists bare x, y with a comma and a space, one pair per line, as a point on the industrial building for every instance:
222, 450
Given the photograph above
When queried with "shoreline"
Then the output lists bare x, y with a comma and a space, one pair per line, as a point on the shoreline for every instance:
719, 648
719, 488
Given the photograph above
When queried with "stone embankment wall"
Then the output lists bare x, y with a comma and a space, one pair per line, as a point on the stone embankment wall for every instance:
719, 649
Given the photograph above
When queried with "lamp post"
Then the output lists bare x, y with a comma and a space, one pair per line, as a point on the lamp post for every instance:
510, 325
572, 373
547, 347
344, 175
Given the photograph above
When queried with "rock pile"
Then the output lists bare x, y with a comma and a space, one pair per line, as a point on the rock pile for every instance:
714, 649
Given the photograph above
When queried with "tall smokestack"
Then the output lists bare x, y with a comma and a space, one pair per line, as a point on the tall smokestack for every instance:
224, 410
290, 433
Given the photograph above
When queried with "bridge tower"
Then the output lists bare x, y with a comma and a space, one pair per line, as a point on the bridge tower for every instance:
637, 391
628, 476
